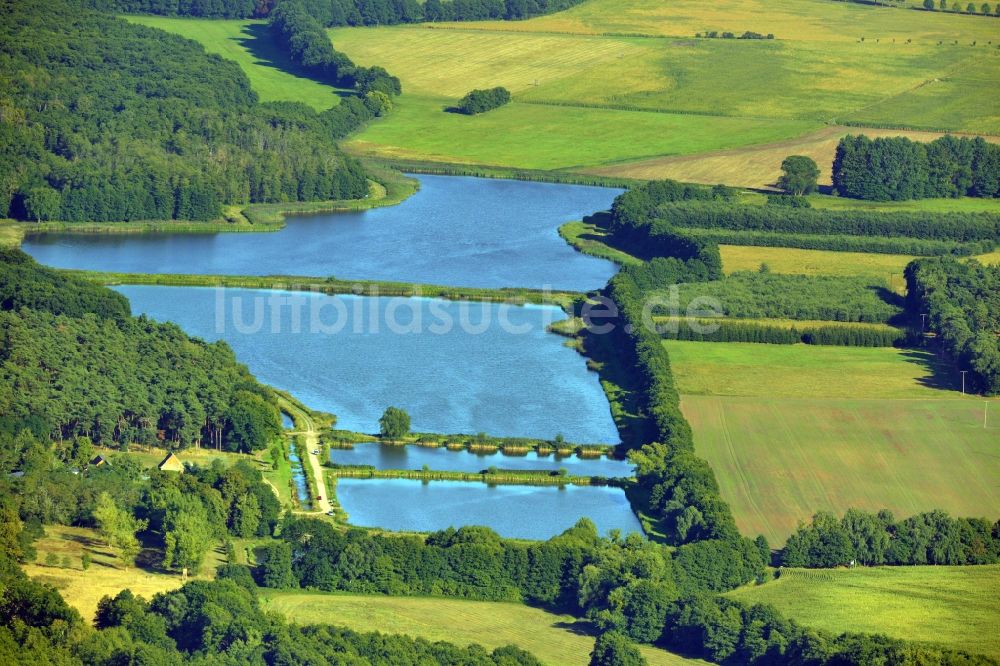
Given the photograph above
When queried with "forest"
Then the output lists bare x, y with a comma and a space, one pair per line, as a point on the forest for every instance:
961, 301
74, 365
723, 330
108, 121
896, 168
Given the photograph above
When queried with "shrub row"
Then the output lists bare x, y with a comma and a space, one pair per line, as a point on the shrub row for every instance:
843, 243
962, 227
722, 330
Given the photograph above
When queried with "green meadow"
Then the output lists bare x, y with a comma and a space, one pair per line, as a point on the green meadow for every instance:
953, 606
554, 639
597, 69
544, 136
272, 75
602, 86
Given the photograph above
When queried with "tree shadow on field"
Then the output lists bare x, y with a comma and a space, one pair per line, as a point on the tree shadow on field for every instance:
257, 40
578, 627
940, 374
894, 299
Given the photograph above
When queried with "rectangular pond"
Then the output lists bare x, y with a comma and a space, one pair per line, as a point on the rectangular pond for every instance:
458, 231
523, 512
456, 367
416, 457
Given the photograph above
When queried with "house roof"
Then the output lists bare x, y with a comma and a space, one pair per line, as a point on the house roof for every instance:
171, 464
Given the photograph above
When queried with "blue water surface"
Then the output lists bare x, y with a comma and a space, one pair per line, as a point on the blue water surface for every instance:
456, 231
523, 512
494, 369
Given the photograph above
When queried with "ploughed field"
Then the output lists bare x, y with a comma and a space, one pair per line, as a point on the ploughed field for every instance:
793, 429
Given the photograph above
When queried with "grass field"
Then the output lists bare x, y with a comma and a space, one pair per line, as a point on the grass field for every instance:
273, 76
598, 89
801, 20
554, 639
106, 576
602, 64
792, 429
953, 606
540, 136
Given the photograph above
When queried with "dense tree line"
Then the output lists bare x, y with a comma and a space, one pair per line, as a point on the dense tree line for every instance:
635, 228
300, 28
349, 12
896, 168
666, 218
481, 101
724, 330
870, 539
77, 366
107, 121
962, 302
843, 242
638, 204
229, 9
961, 227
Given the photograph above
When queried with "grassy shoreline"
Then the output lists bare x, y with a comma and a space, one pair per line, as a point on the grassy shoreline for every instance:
331, 285
439, 168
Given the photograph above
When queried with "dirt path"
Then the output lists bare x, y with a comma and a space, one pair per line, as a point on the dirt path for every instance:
307, 428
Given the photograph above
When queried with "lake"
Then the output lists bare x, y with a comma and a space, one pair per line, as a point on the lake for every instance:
415, 457
456, 367
523, 512
456, 231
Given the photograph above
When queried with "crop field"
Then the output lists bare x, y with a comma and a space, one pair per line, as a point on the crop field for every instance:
953, 606
554, 639
271, 73
793, 429
793, 261
808, 371
760, 165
